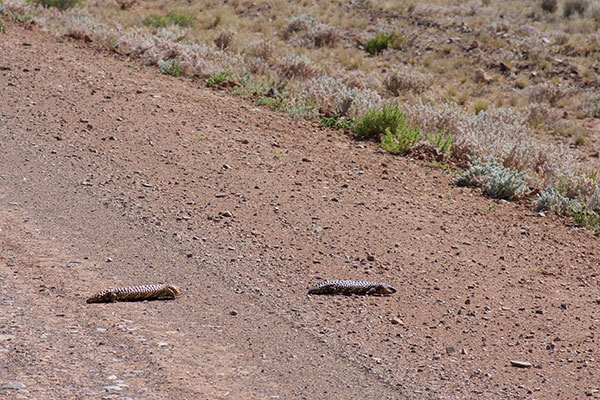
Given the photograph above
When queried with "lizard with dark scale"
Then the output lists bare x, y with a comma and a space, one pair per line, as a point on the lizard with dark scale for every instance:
352, 287
136, 293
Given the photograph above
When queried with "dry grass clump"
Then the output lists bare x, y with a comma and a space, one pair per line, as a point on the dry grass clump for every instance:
588, 106
550, 93
296, 66
405, 78
333, 95
571, 7
305, 30
260, 49
549, 6
540, 116
224, 39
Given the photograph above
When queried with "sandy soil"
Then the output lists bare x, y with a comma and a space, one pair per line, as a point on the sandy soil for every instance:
112, 174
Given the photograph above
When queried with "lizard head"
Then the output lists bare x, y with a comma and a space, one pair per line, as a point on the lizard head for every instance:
175, 290
386, 289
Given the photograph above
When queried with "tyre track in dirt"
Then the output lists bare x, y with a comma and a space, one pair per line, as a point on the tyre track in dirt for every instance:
143, 178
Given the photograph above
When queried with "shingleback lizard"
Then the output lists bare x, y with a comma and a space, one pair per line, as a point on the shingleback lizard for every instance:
134, 293
352, 287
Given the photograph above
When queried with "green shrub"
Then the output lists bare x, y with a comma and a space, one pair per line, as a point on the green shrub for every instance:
183, 20
382, 41
60, 4
495, 179
376, 121
441, 140
170, 67
155, 20
158, 21
401, 140
217, 79
336, 122
586, 218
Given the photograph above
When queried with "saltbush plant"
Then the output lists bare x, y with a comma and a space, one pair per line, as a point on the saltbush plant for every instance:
496, 180
170, 67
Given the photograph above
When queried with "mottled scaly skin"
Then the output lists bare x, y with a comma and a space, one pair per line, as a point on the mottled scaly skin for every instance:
352, 287
135, 293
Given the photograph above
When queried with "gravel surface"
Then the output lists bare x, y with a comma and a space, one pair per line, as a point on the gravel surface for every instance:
114, 175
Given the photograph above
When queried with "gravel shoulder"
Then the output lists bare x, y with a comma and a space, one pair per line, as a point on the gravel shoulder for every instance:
114, 175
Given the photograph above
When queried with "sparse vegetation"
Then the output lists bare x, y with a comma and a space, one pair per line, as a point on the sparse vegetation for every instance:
541, 62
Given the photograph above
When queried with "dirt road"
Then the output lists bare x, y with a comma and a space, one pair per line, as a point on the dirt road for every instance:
112, 174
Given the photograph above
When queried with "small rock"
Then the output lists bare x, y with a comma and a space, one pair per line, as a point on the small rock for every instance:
220, 195
108, 259
162, 344
113, 388
370, 257
14, 385
233, 312
4, 338
520, 364
450, 350
482, 77
100, 329
397, 321
227, 214
111, 377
